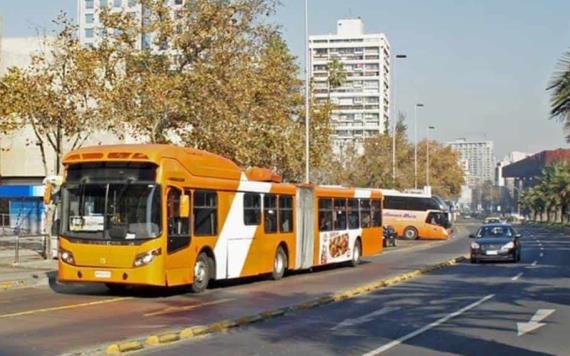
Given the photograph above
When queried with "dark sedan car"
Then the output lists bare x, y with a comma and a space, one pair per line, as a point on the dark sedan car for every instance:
495, 242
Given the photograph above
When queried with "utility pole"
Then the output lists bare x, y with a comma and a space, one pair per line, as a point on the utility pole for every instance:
395, 115
427, 154
418, 105
307, 121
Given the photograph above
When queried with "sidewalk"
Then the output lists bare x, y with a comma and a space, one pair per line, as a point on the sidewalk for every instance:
31, 270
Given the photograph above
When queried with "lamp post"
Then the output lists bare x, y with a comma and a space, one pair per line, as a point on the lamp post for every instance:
418, 105
307, 158
427, 154
394, 118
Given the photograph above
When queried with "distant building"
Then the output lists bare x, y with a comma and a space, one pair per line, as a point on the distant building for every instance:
480, 159
363, 100
16, 51
512, 157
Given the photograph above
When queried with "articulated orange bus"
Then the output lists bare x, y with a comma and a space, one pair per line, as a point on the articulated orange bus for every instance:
416, 216
164, 215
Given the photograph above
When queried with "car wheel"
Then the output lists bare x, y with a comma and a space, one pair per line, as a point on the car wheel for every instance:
473, 260
201, 274
518, 257
410, 233
356, 254
279, 264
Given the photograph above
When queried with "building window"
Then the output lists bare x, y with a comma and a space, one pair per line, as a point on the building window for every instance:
89, 4
103, 3
117, 3
89, 18
251, 209
178, 2
89, 33
133, 3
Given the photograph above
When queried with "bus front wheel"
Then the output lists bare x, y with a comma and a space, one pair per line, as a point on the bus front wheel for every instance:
201, 273
410, 233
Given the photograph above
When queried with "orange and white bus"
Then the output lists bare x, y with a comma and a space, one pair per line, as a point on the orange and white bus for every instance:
167, 216
416, 216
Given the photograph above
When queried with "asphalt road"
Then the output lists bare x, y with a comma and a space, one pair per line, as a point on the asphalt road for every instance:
71, 318
493, 309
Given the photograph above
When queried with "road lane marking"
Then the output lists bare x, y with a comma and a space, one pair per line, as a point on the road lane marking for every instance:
364, 318
542, 248
541, 254
171, 310
517, 277
534, 263
432, 325
63, 307
535, 321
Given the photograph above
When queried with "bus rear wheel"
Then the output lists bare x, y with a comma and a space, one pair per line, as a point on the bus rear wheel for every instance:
201, 274
356, 254
410, 233
279, 264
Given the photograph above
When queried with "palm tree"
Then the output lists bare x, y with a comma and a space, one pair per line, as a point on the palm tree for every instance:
337, 75
560, 93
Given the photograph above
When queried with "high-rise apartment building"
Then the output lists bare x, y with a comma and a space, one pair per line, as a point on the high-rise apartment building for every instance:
91, 30
480, 159
362, 102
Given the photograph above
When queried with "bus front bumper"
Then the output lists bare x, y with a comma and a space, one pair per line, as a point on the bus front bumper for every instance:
145, 275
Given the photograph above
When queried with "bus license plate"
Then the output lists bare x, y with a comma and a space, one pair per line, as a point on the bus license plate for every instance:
492, 253
102, 274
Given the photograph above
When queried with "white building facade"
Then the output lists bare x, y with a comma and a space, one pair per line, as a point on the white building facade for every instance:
480, 158
362, 102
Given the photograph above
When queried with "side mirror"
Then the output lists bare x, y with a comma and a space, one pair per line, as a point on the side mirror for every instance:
184, 206
471, 236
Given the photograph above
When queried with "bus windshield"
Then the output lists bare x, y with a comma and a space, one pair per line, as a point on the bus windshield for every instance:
117, 211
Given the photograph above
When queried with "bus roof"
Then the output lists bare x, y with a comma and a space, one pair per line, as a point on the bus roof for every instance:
198, 162
393, 192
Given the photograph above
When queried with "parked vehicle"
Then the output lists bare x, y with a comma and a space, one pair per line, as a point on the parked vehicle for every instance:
497, 242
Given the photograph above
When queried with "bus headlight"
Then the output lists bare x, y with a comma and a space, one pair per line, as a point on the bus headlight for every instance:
475, 245
66, 256
143, 259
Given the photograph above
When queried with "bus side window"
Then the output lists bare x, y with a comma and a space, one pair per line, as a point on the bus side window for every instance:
285, 213
325, 214
178, 227
270, 213
251, 209
364, 213
340, 214
376, 213
353, 215
205, 213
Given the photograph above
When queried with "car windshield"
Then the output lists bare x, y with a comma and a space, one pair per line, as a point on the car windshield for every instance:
111, 210
495, 231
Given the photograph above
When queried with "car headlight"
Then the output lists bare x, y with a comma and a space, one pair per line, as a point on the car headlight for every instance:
143, 259
508, 246
66, 256
475, 245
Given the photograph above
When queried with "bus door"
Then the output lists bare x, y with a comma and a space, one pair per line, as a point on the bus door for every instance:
178, 265
305, 227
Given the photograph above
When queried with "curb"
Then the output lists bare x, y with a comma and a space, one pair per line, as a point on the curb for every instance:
225, 325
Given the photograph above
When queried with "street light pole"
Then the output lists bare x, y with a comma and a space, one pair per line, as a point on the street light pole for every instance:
427, 154
307, 157
418, 105
394, 117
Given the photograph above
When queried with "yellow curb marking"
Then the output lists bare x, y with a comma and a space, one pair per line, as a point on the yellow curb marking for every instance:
187, 307
64, 307
124, 347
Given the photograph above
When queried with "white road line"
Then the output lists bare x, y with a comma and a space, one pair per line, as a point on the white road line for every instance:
542, 248
517, 277
436, 323
364, 318
534, 263
541, 254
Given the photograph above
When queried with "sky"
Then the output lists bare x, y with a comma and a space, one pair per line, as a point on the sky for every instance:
480, 67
